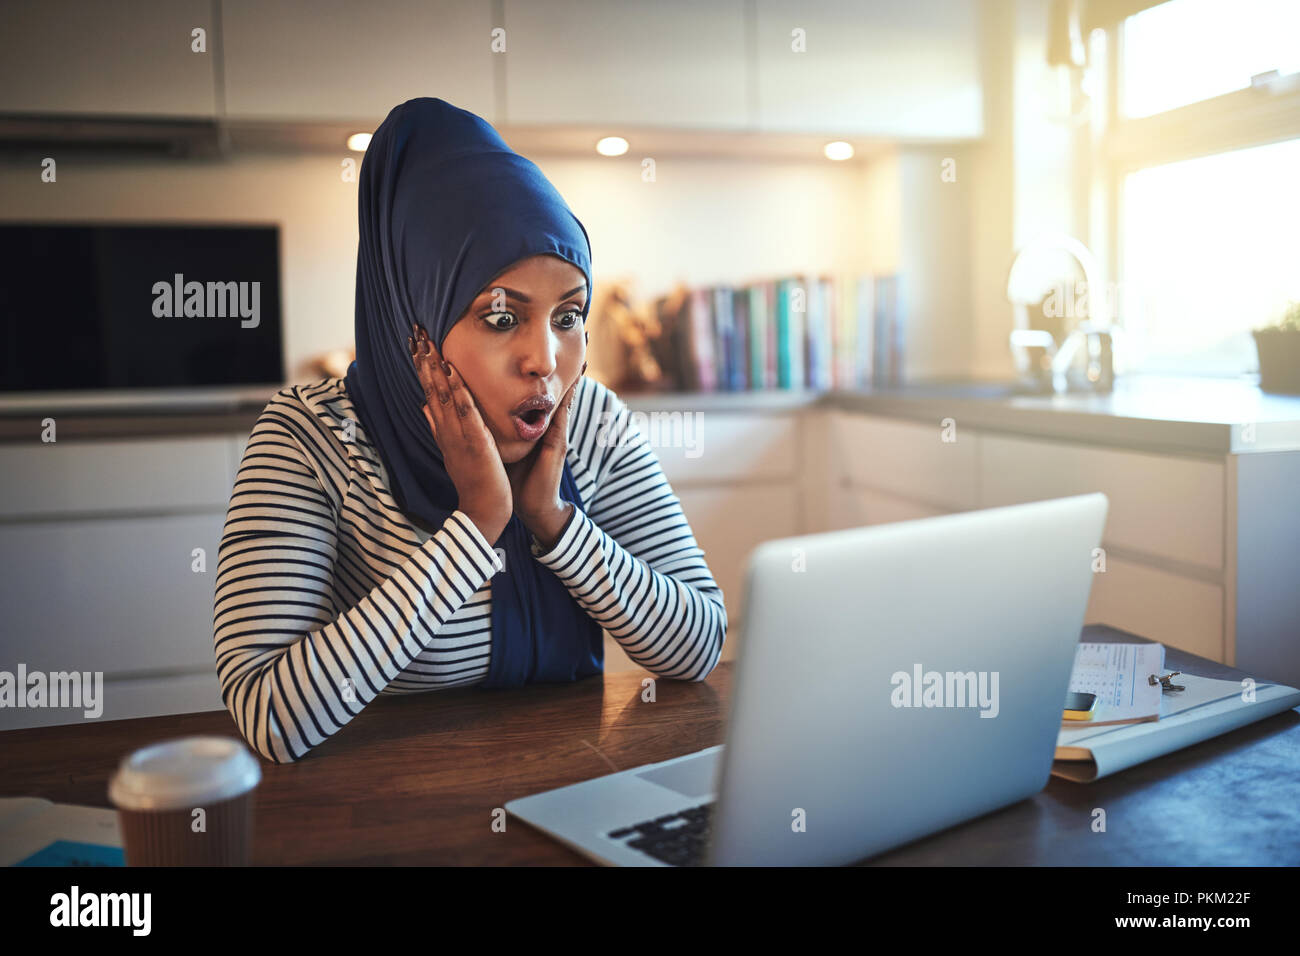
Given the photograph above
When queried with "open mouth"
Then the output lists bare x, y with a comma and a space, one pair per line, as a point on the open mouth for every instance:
534, 416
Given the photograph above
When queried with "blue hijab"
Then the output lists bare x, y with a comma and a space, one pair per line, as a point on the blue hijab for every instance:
444, 207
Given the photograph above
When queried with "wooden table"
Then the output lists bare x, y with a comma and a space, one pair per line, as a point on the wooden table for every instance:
419, 780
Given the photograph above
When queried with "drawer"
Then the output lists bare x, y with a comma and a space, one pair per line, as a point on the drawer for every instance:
115, 475
1176, 611
1161, 505
708, 447
856, 507
114, 595
729, 523
905, 459
129, 699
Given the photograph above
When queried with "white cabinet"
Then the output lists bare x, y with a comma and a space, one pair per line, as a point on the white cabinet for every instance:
333, 60
121, 57
672, 63
728, 524
115, 475
1164, 535
857, 506
1177, 611
109, 549
118, 595
897, 70
98, 546
1164, 531
721, 447
741, 478
1162, 505
129, 698
904, 70
906, 460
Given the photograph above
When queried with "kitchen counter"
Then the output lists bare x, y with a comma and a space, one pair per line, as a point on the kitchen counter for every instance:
1177, 415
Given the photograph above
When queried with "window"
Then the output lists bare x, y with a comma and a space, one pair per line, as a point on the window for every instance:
1186, 51
1196, 207
1212, 249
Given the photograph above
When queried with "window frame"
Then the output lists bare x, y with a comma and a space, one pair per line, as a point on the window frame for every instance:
1254, 116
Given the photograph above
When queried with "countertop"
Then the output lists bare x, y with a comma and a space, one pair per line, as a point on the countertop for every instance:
1165, 414
1171, 414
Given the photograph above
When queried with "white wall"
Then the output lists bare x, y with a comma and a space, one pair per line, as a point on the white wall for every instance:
701, 221
957, 240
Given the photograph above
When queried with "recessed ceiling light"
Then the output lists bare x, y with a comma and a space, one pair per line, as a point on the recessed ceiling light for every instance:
612, 146
358, 142
838, 150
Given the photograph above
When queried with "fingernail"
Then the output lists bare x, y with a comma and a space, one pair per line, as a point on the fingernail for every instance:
410, 344
446, 369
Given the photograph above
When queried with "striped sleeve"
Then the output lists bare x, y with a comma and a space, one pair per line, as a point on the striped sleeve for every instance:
631, 560
294, 663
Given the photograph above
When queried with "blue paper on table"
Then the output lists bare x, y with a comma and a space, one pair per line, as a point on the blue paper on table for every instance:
35, 831
69, 853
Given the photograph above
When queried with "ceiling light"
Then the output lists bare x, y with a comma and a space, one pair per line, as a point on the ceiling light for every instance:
838, 150
612, 146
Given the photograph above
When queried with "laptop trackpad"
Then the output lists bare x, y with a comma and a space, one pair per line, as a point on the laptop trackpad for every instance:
692, 777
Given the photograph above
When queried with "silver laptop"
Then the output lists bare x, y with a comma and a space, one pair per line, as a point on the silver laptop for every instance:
892, 681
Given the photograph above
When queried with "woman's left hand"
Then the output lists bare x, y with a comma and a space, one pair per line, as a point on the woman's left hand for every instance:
535, 478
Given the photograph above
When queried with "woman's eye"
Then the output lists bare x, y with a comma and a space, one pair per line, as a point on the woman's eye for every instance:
567, 320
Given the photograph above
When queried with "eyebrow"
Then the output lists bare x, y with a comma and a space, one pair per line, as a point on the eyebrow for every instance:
515, 294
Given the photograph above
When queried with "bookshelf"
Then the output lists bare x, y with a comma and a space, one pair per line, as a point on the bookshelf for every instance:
798, 333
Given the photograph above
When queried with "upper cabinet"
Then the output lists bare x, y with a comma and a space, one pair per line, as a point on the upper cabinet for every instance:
900, 69
671, 63
108, 57
893, 69
336, 60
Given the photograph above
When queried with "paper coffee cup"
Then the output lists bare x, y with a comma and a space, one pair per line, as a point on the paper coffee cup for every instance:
187, 802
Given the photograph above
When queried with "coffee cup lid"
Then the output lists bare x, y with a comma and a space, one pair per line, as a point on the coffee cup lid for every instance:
184, 772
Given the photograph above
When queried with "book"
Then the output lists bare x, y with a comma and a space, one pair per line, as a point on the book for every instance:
703, 355
864, 312
811, 340
887, 332
757, 338
740, 313
783, 334
797, 330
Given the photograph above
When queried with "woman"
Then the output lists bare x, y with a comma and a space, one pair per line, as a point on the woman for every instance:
464, 507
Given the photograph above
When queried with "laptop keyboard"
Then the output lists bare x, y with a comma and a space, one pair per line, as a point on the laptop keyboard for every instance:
678, 839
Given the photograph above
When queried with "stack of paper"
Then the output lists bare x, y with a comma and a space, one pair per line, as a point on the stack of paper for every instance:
1124, 734
1119, 675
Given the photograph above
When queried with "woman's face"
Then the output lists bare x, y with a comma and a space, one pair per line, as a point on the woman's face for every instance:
522, 337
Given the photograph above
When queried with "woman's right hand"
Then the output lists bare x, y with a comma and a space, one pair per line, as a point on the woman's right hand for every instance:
469, 451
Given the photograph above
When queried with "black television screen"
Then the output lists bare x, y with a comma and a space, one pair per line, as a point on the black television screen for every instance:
115, 306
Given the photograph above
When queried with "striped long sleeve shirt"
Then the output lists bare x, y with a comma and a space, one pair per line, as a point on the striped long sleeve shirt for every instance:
327, 595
